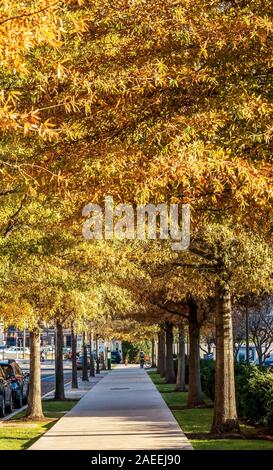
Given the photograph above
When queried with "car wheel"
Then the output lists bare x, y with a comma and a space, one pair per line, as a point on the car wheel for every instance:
2, 408
19, 400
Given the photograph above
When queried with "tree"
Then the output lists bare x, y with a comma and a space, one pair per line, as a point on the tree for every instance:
239, 330
20, 312
181, 365
169, 365
168, 109
161, 352
74, 358
34, 408
85, 359
261, 327
239, 262
195, 396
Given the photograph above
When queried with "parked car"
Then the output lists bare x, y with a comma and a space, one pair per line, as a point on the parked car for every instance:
19, 381
14, 352
115, 357
268, 362
47, 349
80, 362
209, 356
6, 400
67, 352
17, 349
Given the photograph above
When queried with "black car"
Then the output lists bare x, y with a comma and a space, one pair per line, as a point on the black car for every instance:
115, 357
6, 400
19, 381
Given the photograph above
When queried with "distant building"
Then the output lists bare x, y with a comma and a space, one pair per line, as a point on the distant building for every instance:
15, 337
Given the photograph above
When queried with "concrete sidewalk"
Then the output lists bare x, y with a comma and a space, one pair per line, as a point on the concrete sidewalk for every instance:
123, 411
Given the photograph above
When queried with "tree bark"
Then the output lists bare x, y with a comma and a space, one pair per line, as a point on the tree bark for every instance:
92, 362
97, 356
180, 378
153, 364
169, 372
247, 335
225, 413
195, 396
161, 352
34, 408
59, 372
85, 360
74, 359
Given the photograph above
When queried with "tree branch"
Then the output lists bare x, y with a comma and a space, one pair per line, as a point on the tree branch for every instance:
10, 224
8, 191
173, 312
25, 15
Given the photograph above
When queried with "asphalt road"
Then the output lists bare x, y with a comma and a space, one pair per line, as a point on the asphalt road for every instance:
48, 379
48, 375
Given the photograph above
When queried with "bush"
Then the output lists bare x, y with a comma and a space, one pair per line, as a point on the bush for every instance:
207, 372
251, 391
254, 387
269, 408
254, 390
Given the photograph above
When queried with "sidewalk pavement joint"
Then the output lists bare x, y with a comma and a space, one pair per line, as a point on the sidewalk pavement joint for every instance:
124, 410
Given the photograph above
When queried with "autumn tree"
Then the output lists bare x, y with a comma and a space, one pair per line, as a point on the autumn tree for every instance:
237, 262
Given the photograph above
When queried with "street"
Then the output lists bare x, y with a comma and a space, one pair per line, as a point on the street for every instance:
48, 379
47, 374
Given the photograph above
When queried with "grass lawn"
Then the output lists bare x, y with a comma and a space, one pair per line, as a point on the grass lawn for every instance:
18, 434
198, 421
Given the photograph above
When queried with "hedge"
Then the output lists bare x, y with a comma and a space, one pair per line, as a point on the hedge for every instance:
254, 391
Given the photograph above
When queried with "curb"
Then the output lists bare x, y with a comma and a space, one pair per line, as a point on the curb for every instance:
7, 418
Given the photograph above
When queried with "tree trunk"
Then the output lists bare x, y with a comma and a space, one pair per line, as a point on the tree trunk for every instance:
169, 373
153, 362
59, 372
74, 359
104, 355
85, 360
195, 396
225, 414
260, 358
34, 408
247, 336
97, 356
161, 352
92, 363
180, 378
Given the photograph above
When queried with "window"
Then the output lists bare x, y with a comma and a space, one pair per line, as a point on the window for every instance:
8, 372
